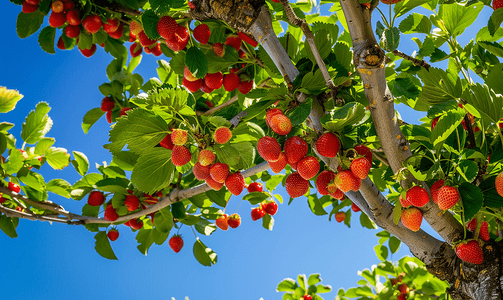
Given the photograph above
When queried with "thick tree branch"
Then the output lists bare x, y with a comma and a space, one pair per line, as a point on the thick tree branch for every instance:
415, 61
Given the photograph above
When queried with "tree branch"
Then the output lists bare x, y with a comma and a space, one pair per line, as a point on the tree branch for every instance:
117, 8
415, 61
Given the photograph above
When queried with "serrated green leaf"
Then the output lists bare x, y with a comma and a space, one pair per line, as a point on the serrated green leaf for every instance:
217, 197
149, 20
37, 124
204, 255
492, 47
28, 24
125, 160
495, 21
32, 179
472, 198
14, 163
323, 42
43, 145
457, 17
228, 154
301, 112
489, 104
57, 158
46, 39
196, 61
313, 81
381, 252
405, 6
246, 154
491, 196
350, 114
81, 163
446, 125
103, 247
415, 23
141, 130
390, 39
90, 211
287, 285
153, 171
439, 86
314, 279
113, 185
468, 170
7, 226
59, 187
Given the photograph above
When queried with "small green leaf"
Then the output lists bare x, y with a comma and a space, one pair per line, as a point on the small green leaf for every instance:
28, 24
415, 23
287, 285
57, 158
43, 145
315, 205
204, 255
468, 170
153, 171
390, 39
8, 99
366, 222
205, 227
46, 39
196, 61
149, 20
81, 163
394, 244
301, 112
37, 124
350, 114
15, 162
113, 185
472, 198
59, 187
381, 252
495, 21
7, 226
268, 222
314, 279
103, 247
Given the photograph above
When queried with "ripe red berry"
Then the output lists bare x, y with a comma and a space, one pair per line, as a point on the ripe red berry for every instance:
72, 31
202, 33
180, 155
279, 165
192, 86
257, 213
295, 149
346, 181
166, 142
68, 6
135, 49
417, 196
281, 124
88, 52
308, 167
222, 135
113, 234
403, 201
219, 172
92, 23
111, 25
355, 207
179, 39
360, 167
470, 251
95, 198
328, 145
323, 180
448, 196
222, 222
14, 187
144, 39
33, 2
205, 88
235, 183
111, 213
179, 137
214, 80
166, 27
216, 186
107, 104
231, 82
295, 185
72, 17
498, 184
337, 194
206, 157
57, 19
176, 243
188, 75
118, 33
219, 49
271, 208
435, 188
403, 288
390, 1
57, 6
233, 41
412, 218
247, 39
255, 187
28, 8
270, 113
364, 151
234, 221
244, 87
434, 123
497, 4
132, 202
123, 111
340, 216
136, 224
269, 148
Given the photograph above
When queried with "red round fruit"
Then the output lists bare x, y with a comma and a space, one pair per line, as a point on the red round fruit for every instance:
234, 221
214, 80
92, 23
88, 52
72, 31
57, 19
107, 104
417, 196
113, 234
231, 82
135, 49
124, 110
118, 33
131, 202
222, 222
14, 187
28, 8
136, 224
110, 213
271, 208
72, 17
202, 33
245, 87
328, 145
167, 143
255, 187
96, 198
257, 213
111, 25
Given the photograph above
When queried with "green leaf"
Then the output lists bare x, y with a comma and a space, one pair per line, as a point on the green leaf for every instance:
125, 160
163, 220
287, 285
301, 112
493, 79
273, 182
446, 125
113, 185
91, 211
314, 279
85, 40
366, 222
5, 126
146, 237
404, 87
268, 222
149, 20
491, 196
492, 47
7, 226
57, 158
28, 24
405, 6
215, 63
313, 81
116, 48
394, 244
457, 17
85, 185
315, 205
468, 170
14, 163
205, 227
246, 154
81, 163
140, 130
489, 104
32, 179
37, 124
323, 42
228, 154
255, 197
204, 255
153, 171
43, 145
103, 247
350, 114
381, 252
390, 39
59, 187
415, 23
196, 61
217, 197
495, 21
439, 86
484, 35
8, 99
472, 198
46, 39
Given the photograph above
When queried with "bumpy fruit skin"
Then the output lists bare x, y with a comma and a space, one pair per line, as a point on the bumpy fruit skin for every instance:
271, 208
346, 181
166, 27
470, 251
234, 221
484, 229
92, 23
219, 49
255, 187
110, 213
219, 172
355, 207
244, 87
57, 19
231, 82
280, 164
216, 186
497, 4
448, 196
180, 155
136, 224
412, 218
111, 25
188, 75
340, 216
360, 167
88, 52
308, 167
281, 124
145, 41
221, 222
202, 33
365, 151
14, 187
28, 8
498, 183
95, 198
176, 243
192, 86
337, 194
268, 148
322, 181
257, 213
233, 41
179, 137
247, 39
271, 113
107, 104
132, 202
328, 145
118, 33
235, 183
403, 201
166, 142
135, 49
72, 17
295, 185
214, 80
435, 188
295, 149
113, 234
417, 196
222, 135
206, 157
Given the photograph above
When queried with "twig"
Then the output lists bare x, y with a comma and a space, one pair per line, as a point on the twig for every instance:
310, 39
415, 61
380, 158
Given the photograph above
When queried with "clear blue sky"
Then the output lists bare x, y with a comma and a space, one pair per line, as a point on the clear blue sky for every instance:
59, 261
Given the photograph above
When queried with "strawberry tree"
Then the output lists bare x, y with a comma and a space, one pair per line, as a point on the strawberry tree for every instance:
270, 91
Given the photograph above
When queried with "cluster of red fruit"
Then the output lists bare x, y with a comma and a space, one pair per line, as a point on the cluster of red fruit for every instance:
402, 288
214, 81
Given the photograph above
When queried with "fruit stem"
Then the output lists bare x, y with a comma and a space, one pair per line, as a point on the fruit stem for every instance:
383, 17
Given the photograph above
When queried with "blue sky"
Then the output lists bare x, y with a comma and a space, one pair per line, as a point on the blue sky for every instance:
59, 261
